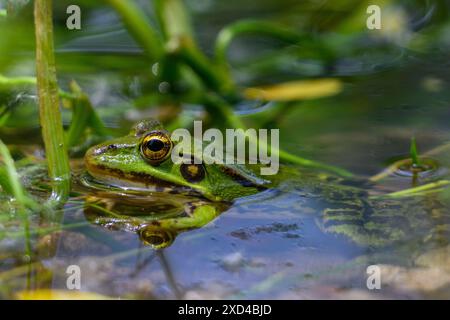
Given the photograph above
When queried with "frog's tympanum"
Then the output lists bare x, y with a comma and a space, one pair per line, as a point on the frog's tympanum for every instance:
137, 187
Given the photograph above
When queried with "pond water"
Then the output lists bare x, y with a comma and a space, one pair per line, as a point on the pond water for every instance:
271, 245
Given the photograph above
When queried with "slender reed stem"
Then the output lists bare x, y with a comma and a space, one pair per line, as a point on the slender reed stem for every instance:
229, 33
180, 42
48, 94
413, 153
139, 27
18, 193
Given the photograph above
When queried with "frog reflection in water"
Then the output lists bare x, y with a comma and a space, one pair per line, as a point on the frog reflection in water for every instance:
137, 169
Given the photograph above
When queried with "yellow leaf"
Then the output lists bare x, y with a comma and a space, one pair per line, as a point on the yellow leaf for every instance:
48, 294
295, 90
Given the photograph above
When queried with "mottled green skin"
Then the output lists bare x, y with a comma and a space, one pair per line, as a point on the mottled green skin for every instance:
119, 164
340, 207
348, 208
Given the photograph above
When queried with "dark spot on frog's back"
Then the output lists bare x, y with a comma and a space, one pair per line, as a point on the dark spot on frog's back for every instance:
346, 194
241, 179
241, 234
357, 183
288, 231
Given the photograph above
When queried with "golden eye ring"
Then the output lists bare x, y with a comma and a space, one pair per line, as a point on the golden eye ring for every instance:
156, 147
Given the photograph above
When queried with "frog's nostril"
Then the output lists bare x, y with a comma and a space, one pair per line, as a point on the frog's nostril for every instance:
156, 238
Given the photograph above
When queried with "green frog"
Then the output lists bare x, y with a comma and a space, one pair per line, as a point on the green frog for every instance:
137, 170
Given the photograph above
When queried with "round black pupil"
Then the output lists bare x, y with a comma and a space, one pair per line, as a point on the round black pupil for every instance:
155, 145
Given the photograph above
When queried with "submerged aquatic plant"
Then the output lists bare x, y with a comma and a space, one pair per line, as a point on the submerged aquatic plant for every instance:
10, 183
9, 179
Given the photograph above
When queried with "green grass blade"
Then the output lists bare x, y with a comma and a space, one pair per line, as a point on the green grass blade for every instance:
9, 176
413, 153
50, 113
221, 109
139, 27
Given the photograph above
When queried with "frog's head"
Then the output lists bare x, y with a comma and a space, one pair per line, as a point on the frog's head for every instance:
141, 161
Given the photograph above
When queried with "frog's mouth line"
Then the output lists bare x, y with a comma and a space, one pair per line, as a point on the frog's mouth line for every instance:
135, 181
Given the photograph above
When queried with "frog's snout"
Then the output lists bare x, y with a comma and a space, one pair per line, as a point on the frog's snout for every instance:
155, 237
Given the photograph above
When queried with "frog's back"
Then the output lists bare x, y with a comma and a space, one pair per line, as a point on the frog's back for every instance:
346, 208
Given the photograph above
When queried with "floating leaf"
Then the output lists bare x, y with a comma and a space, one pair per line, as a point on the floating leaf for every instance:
295, 90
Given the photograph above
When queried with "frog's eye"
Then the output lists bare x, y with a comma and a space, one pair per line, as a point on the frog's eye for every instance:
156, 147
192, 172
